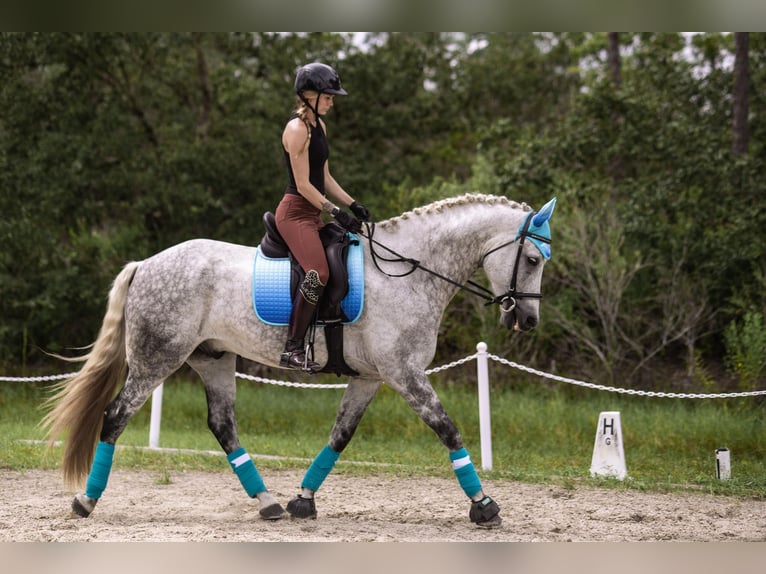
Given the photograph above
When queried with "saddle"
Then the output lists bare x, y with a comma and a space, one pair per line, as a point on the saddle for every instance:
333, 306
336, 243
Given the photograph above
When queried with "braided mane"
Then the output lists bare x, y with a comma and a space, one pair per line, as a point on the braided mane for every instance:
442, 204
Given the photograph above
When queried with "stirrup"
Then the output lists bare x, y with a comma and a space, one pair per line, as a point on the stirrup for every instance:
298, 360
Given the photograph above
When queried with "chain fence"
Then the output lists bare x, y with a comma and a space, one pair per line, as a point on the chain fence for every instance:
501, 360
482, 358
594, 386
37, 379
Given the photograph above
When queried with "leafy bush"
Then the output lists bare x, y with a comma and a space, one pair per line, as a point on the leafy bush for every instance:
746, 349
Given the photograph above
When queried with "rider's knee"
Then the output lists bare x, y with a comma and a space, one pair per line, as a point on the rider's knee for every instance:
313, 286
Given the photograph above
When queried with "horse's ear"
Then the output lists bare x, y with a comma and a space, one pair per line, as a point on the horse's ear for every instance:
545, 213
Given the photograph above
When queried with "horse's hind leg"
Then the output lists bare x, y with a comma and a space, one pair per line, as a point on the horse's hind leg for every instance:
116, 417
355, 401
218, 375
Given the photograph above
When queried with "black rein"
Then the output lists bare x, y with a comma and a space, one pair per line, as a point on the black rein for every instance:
471, 286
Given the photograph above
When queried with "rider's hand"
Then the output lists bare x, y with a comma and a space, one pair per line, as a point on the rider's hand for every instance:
347, 221
360, 211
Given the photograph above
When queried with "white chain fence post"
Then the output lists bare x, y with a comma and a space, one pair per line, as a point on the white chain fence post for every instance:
155, 419
485, 418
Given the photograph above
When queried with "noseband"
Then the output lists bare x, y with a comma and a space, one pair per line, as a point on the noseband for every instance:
507, 300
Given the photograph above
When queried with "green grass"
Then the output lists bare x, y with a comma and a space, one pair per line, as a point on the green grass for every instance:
540, 434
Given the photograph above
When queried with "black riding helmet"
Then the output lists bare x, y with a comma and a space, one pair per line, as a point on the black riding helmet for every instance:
318, 77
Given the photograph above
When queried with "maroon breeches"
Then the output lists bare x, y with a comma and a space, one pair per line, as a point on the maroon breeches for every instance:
299, 223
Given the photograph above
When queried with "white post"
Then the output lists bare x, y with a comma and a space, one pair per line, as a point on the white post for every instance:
154, 421
485, 424
723, 463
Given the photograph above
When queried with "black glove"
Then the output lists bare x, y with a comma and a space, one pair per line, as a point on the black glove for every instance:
347, 221
360, 211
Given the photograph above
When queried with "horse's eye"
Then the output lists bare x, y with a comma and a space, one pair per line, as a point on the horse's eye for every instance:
533, 260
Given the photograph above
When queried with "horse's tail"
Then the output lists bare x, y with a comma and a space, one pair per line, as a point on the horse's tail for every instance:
79, 402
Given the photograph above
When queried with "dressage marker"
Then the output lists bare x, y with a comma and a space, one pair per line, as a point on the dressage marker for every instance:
192, 303
608, 452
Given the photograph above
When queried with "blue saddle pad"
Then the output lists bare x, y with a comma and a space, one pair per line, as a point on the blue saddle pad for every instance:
271, 287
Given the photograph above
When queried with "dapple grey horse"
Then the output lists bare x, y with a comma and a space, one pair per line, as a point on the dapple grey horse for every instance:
192, 303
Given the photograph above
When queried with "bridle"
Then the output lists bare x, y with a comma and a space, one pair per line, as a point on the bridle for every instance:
507, 300
512, 294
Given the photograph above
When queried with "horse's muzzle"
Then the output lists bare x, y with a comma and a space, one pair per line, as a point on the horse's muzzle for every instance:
517, 320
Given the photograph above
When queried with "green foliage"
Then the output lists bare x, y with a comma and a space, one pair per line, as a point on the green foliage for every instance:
114, 146
700, 374
648, 168
746, 349
119, 145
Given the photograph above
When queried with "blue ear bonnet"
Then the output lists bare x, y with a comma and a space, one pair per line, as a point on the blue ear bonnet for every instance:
537, 230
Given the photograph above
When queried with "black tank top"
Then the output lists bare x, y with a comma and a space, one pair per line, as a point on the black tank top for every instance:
319, 151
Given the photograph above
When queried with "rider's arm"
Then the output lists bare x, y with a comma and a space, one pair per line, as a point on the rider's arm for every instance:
334, 189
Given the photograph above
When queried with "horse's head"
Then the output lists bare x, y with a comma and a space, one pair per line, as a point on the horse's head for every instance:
517, 288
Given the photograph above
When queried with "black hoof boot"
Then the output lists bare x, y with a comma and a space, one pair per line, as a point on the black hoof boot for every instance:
300, 507
485, 513
83, 505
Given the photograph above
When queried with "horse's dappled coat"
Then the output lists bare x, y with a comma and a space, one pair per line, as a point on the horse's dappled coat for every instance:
192, 304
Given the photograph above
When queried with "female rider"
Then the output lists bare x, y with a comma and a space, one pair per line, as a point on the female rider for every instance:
298, 215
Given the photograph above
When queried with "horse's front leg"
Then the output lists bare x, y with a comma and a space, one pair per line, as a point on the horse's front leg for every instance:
355, 401
420, 395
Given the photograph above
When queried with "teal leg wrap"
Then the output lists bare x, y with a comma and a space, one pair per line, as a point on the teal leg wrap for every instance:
99, 472
465, 472
244, 467
320, 468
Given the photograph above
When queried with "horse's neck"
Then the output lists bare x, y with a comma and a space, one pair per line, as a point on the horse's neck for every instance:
451, 242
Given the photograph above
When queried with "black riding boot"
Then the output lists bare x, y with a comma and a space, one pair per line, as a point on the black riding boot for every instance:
301, 318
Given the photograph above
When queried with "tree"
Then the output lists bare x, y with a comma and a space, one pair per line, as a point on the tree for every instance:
613, 59
740, 130
615, 77
681, 201
115, 146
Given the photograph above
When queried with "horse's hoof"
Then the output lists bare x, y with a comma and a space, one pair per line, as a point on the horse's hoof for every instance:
272, 512
83, 505
485, 513
493, 522
300, 507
